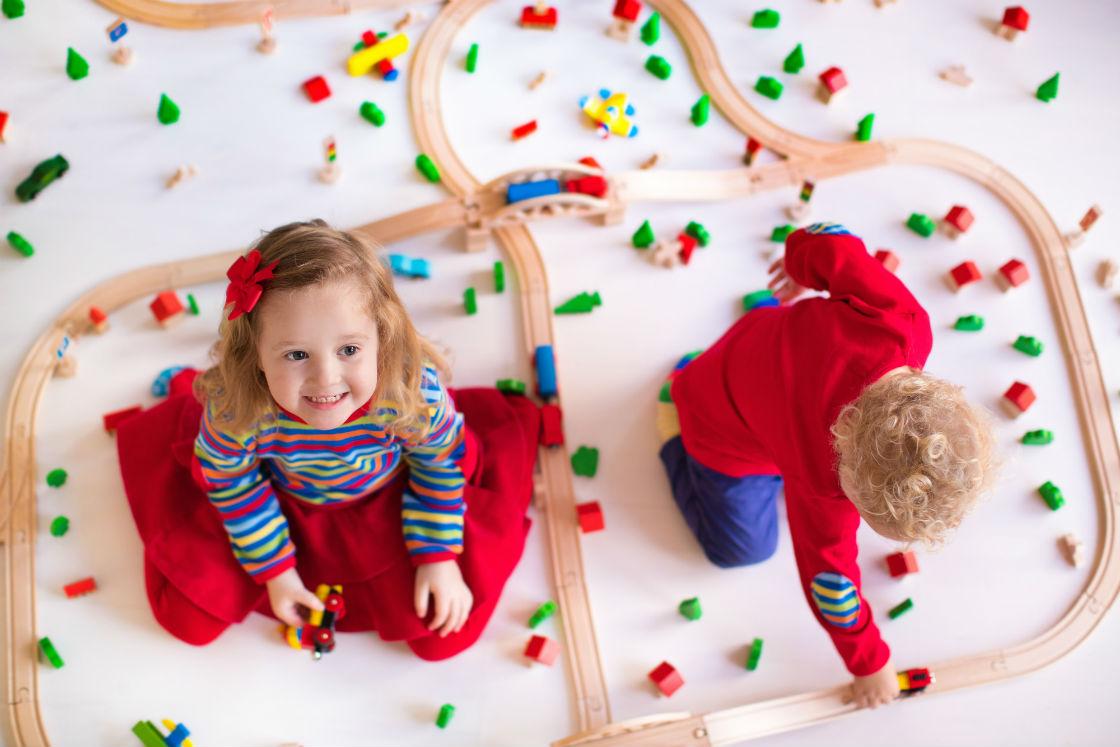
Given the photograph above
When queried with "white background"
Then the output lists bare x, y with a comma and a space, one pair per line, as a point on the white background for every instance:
257, 143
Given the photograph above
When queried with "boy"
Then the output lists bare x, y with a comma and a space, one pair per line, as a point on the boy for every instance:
826, 397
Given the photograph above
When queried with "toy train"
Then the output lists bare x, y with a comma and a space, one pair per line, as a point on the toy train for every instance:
318, 633
595, 186
913, 681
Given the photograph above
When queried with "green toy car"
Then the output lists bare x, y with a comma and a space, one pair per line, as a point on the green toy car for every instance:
45, 173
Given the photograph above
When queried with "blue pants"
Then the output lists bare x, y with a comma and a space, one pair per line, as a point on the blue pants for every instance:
734, 518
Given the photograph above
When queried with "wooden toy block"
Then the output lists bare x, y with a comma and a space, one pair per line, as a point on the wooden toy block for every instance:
752, 148
754, 654
864, 127
585, 462
446, 711
48, 652
832, 83
766, 19
471, 63
168, 111
969, 323
582, 303
539, 17
921, 224
316, 89
78, 588
1031, 346
690, 609
902, 564
1048, 90
687, 247
643, 238
60, 525
1040, 437
1106, 273
769, 87
3, 125
1017, 399
667, 678
552, 426
956, 221
114, 419
542, 649
956, 75
511, 386
57, 477
659, 67
524, 130
1015, 20
167, 308
1012, 274
901, 608
1052, 494
651, 30
76, 66
698, 232
540, 78
542, 613
590, 516
888, 259
470, 301
1073, 549
963, 274
794, 61
590, 162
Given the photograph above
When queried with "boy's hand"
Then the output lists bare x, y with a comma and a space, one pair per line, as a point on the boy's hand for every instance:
785, 290
453, 600
876, 689
290, 600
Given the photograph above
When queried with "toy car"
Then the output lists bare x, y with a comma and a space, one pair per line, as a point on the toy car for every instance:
45, 173
318, 633
914, 681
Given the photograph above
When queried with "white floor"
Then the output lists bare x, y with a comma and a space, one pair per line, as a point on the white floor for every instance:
257, 143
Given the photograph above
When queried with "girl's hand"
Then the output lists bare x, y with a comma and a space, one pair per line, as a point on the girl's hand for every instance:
453, 600
876, 689
290, 600
785, 290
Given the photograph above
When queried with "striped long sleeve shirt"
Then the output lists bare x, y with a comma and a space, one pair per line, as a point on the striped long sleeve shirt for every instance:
242, 472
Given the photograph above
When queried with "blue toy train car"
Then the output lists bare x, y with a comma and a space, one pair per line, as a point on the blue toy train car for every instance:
546, 371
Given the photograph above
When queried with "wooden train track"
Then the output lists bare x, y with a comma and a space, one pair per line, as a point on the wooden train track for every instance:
805, 157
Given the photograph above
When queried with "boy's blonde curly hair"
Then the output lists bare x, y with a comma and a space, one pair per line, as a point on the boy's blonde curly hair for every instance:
914, 456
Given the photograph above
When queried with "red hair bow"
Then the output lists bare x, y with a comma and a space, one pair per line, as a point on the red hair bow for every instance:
245, 280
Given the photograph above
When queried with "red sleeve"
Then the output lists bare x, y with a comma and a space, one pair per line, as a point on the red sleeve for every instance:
824, 545
839, 264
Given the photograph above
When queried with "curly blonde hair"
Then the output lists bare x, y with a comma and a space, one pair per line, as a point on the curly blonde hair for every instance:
312, 253
914, 456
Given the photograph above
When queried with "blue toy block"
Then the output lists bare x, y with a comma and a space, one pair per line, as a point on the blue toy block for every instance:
162, 383
546, 371
529, 190
177, 736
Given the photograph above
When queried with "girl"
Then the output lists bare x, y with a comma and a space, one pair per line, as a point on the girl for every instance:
323, 448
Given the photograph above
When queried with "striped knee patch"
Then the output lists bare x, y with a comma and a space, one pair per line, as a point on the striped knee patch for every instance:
836, 599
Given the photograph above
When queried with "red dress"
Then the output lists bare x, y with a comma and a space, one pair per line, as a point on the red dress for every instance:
197, 588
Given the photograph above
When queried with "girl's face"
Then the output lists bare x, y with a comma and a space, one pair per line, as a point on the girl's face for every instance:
318, 351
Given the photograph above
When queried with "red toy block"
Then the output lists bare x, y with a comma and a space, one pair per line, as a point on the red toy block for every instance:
76, 589
369, 38
596, 186
531, 19
552, 425
833, 80
167, 307
590, 517
1018, 399
1016, 17
888, 259
542, 649
957, 221
667, 678
902, 563
1013, 274
688, 246
964, 274
589, 161
3, 124
316, 88
526, 129
627, 10
113, 419
99, 319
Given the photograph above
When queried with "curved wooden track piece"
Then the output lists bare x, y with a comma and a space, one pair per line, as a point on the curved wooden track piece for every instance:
238, 12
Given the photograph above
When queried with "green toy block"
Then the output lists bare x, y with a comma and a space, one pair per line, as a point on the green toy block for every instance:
427, 168
701, 110
148, 734
659, 66
863, 129
56, 478
901, 608
60, 526
168, 110
192, 305
1048, 91
499, 277
698, 232
794, 61
47, 649
766, 19
545, 611
511, 386
665, 395
970, 323
76, 65
754, 655
1052, 494
20, 244
920, 224
14, 8
446, 711
690, 608
1041, 437
470, 301
1031, 346
472, 59
651, 30
769, 87
779, 234
585, 462
581, 304
372, 113
643, 238
753, 299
